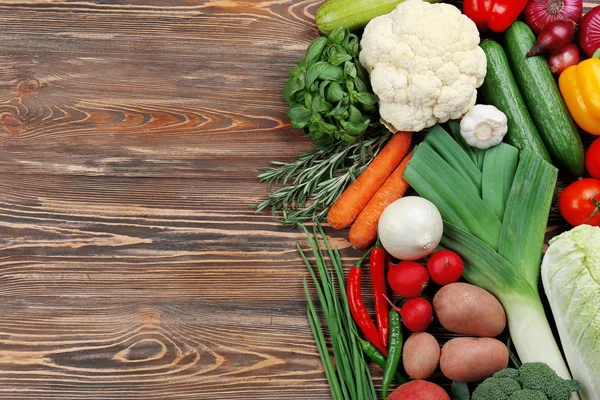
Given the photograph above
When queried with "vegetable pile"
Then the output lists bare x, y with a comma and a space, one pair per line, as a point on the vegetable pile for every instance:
438, 154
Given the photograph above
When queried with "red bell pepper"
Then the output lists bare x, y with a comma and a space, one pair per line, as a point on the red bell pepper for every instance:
496, 15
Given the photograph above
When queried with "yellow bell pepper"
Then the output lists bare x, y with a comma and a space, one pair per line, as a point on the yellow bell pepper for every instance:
580, 87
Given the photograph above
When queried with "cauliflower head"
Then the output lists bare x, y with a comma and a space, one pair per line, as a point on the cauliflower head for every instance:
425, 64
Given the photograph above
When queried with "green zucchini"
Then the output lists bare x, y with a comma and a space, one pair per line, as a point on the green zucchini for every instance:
353, 14
500, 90
541, 94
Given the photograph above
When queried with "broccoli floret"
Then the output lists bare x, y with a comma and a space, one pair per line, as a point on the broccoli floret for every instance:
496, 389
539, 376
532, 381
527, 394
507, 373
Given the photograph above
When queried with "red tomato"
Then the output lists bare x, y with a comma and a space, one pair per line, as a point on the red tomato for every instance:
417, 314
419, 390
408, 278
579, 203
445, 267
592, 159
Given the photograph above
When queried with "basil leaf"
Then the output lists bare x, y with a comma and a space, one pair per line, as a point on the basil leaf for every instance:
350, 85
348, 138
322, 87
319, 105
365, 98
293, 87
351, 46
315, 50
320, 129
341, 110
299, 115
355, 116
360, 85
338, 35
332, 73
339, 58
335, 92
460, 391
300, 68
361, 73
355, 129
350, 69
314, 72
308, 99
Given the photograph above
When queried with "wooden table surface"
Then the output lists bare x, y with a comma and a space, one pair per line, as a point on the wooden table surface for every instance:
130, 265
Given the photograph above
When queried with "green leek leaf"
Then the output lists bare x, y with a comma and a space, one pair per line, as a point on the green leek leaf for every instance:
499, 167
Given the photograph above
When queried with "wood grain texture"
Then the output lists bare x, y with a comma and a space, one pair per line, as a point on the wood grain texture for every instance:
130, 265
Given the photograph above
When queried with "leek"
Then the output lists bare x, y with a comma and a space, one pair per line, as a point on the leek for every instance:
505, 262
499, 167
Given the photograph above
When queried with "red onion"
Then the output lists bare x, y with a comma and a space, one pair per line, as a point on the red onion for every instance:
553, 37
589, 32
540, 12
564, 59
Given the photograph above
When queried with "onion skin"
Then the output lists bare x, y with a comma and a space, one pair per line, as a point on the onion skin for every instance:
589, 32
538, 13
554, 37
564, 59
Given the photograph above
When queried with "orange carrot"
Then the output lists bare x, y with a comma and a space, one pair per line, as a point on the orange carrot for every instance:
364, 230
352, 201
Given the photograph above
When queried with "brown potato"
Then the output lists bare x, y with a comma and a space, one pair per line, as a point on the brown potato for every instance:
420, 355
473, 359
469, 310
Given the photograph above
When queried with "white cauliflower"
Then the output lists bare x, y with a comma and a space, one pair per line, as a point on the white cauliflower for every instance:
425, 64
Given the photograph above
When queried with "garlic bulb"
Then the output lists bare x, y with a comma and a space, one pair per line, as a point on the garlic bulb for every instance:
410, 228
484, 126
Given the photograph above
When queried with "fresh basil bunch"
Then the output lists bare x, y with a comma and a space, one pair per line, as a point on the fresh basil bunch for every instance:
329, 92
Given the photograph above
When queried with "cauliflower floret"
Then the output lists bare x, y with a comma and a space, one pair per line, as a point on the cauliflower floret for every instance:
425, 64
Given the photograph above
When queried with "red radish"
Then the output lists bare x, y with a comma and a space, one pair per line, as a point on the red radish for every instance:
554, 37
589, 32
445, 267
417, 314
564, 59
538, 13
408, 278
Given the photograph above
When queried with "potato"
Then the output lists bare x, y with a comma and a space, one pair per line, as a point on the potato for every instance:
473, 359
469, 310
420, 355
419, 390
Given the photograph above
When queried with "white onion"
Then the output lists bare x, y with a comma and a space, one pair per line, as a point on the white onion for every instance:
410, 228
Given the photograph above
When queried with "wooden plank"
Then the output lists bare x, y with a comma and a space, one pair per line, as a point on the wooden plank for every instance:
131, 132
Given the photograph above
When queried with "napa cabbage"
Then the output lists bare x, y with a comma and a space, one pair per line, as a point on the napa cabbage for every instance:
571, 278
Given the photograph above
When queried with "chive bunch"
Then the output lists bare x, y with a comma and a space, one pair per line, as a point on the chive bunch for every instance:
350, 378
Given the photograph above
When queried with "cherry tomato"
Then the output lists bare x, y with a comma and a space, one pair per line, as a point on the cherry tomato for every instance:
408, 278
579, 203
592, 159
445, 267
416, 314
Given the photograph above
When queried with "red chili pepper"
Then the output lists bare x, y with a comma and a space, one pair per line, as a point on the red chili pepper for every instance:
496, 15
359, 310
377, 268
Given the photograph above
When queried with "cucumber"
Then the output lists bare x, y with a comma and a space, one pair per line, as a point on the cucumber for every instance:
353, 14
542, 97
500, 90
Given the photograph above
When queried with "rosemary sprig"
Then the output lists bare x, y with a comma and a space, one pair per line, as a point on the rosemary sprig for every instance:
304, 189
